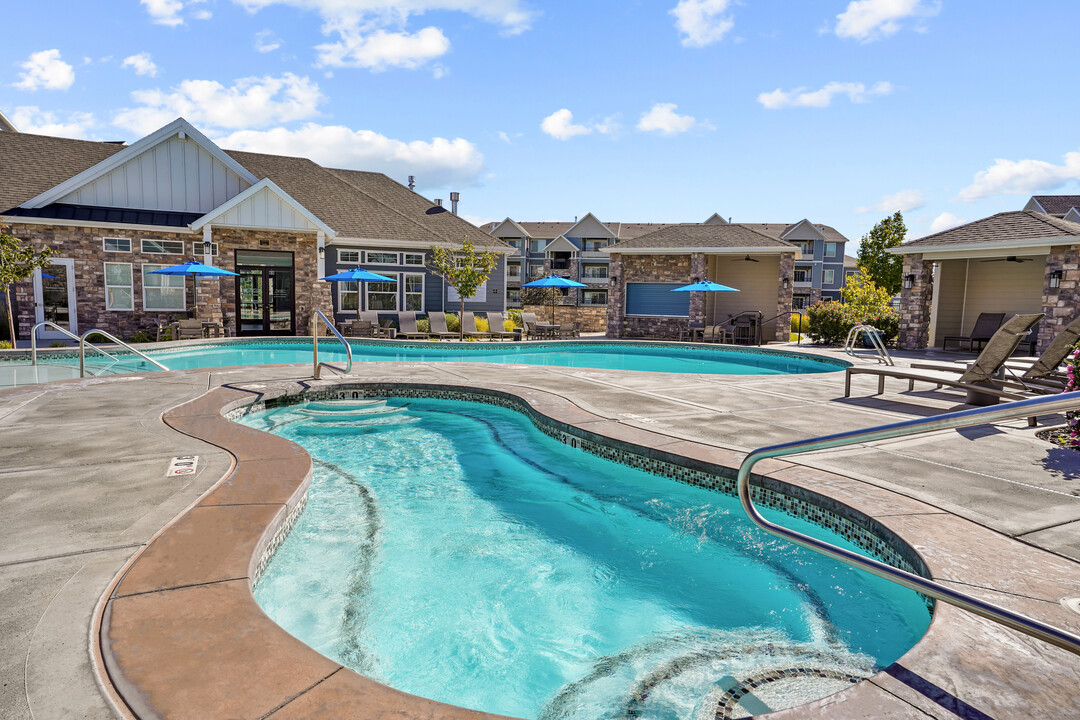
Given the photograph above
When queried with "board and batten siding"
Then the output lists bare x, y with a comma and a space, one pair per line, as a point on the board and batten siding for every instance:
265, 209
175, 175
995, 287
757, 284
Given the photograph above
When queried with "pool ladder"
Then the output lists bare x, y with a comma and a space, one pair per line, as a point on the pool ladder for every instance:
318, 366
965, 418
84, 343
872, 334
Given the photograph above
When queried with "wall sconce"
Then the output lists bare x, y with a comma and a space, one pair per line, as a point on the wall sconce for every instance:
909, 280
785, 283
322, 252
207, 247
1055, 279
613, 281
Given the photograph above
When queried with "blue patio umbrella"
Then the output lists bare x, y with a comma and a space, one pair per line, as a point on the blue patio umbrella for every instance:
553, 281
358, 275
196, 270
705, 286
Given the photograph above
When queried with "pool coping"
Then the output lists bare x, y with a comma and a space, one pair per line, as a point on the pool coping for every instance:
180, 633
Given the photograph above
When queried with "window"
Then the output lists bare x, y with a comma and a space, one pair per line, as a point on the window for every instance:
163, 247
536, 271
414, 291
594, 297
802, 274
800, 302
513, 271
830, 249
118, 286
537, 246
828, 277
116, 244
197, 249
595, 272
513, 296
348, 256
481, 293
414, 259
657, 300
163, 292
381, 295
850, 273
595, 244
348, 296
806, 246
513, 242
382, 258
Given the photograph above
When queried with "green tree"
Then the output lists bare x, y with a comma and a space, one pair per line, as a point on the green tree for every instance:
863, 295
885, 269
17, 263
463, 269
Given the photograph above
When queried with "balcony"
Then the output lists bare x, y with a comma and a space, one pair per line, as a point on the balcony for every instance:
593, 255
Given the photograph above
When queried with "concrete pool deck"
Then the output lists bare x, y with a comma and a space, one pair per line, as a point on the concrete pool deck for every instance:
84, 488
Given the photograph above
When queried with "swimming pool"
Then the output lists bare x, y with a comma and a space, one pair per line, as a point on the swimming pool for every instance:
452, 550
604, 355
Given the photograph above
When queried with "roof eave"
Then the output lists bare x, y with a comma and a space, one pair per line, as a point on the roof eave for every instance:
751, 250
958, 249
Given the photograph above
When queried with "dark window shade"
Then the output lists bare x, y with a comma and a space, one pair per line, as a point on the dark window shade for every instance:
657, 299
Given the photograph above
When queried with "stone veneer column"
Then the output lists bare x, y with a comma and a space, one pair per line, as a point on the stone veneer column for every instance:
1061, 304
616, 297
699, 268
785, 292
915, 303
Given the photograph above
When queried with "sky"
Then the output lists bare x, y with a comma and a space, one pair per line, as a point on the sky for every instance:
840, 111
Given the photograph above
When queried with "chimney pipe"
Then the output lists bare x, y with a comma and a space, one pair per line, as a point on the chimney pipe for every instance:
412, 182
438, 201
454, 197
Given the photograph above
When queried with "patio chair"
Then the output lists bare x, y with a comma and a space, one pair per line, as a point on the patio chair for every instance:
497, 326
985, 326
361, 329
377, 329
468, 323
528, 325
187, 329
438, 326
407, 327
566, 332
716, 334
980, 380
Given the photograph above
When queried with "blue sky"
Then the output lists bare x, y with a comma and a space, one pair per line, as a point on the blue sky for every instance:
652, 110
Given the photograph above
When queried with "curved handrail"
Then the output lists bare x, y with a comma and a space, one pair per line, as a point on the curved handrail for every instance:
789, 312
315, 345
757, 325
83, 343
964, 418
876, 342
73, 336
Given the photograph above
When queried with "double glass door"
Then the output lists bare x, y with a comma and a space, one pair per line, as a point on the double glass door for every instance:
54, 298
265, 300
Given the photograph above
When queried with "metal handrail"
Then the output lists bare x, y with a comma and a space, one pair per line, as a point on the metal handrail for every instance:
789, 312
757, 326
964, 418
83, 343
73, 336
315, 345
874, 335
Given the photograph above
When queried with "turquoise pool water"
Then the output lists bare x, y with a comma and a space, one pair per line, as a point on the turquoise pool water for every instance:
653, 357
453, 551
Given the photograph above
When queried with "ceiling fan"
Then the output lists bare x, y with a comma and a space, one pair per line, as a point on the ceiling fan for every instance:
746, 259
1011, 258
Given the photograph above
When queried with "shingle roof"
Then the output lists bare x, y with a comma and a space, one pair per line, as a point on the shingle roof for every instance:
33, 164
95, 213
777, 229
1057, 204
1003, 227
629, 231
696, 235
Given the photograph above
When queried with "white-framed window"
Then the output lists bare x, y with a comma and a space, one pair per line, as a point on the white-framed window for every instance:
119, 292
595, 272
414, 291
163, 247
850, 273
382, 258
513, 296
413, 259
802, 274
828, 277
536, 270
537, 246
453, 296
381, 295
800, 302
594, 297
595, 244
197, 249
348, 296
116, 244
830, 249
806, 246
163, 292
348, 256
513, 271
512, 242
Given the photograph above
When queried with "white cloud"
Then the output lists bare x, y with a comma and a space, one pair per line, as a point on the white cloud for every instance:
141, 64
203, 15
31, 119
702, 22
560, 125
250, 102
45, 69
436, 163
801, 97
662, 118
1021, 177
479, 220
869, 20
266, 41
944, 221
380, 49
902, 201
164, 12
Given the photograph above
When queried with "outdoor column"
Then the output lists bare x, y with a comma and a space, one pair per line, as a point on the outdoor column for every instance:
616, 297
211, 290
1061, 304
915, 303
785, 291
699, 268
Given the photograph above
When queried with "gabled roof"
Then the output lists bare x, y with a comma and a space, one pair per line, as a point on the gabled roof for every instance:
494, 228
706, 238
6, 125
1006, 228
32, 164
780, 230
589, 216
560, 244
1073, 215
266, 185
1056, 205
715, 219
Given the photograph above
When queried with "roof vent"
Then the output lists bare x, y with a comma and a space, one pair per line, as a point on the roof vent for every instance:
412, 182
438, 202
454, 198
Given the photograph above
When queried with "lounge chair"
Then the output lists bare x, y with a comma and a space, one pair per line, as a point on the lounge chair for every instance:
361, 329
187, 329
716, 334
497, 326
528, 324
468, 324
573, 330
980, 379
985, 327
438, 326
372, 316
407, 327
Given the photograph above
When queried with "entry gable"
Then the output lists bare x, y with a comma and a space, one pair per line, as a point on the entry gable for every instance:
1072, 216
267, 207
511, 229
175, 168
561, 244
590, 227
802, 230
1034, 206
715, 219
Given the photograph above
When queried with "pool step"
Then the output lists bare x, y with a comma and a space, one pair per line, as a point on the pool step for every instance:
369, 424
337, 406
353, 415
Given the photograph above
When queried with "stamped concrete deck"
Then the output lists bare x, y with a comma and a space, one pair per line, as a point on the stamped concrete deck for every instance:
83, 489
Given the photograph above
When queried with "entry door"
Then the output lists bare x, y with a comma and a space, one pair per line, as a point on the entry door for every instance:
265, 300
54, 298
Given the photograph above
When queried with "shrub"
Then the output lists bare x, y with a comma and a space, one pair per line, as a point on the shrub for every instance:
5, 345
800, 323
864, 303
142, 336
57, 343
513, 320
452, 322
1071, 437
829, 322
423, 325
482, 324
97, 338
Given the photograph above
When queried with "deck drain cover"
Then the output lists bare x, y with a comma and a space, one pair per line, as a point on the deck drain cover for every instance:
1071, 603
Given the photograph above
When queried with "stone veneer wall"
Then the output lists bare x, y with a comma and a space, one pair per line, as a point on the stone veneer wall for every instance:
784, 297
915, 303
593, 318
1061, 304
651, 268
216, 297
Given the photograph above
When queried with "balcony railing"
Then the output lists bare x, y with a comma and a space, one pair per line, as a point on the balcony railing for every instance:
593, 254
